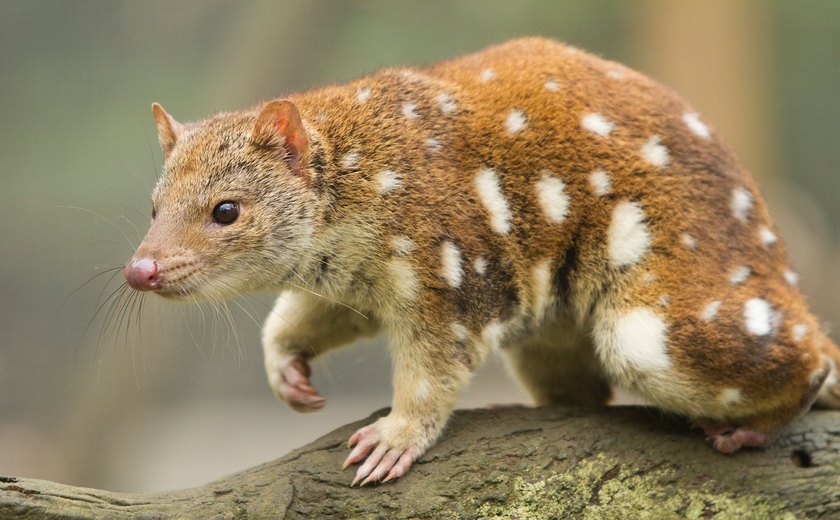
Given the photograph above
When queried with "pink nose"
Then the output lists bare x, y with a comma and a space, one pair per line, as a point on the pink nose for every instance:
142, 274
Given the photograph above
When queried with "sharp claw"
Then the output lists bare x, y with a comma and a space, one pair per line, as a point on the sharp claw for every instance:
349, 460
360, 474
371, 462
359, 452
379, 463
400, 466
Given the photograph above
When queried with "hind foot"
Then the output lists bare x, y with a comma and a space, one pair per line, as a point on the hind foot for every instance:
759, 431
728, 438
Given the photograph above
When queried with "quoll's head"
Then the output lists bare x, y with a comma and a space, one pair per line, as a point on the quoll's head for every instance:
233, 210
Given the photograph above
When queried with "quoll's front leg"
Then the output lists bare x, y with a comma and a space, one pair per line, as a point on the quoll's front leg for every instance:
299, 328
428, 376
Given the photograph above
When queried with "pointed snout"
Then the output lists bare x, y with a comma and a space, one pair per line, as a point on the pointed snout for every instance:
142, 274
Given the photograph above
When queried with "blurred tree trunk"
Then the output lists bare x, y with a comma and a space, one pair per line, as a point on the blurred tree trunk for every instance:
505, 463
714, 53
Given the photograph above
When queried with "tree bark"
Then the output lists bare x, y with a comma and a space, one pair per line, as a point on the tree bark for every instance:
625, 462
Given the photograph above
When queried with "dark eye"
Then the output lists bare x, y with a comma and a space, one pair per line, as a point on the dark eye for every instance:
226, 212
154, 212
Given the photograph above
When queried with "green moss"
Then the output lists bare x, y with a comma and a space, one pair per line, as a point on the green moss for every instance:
598, 489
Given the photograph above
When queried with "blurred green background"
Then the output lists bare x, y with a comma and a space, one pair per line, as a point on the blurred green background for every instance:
178, 397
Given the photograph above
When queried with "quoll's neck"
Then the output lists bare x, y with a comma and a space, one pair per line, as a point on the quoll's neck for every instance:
345, 234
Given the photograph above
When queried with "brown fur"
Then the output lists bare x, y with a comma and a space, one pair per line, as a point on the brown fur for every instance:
317, 224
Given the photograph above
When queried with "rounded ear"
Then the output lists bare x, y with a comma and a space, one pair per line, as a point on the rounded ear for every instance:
279, 123
168, 129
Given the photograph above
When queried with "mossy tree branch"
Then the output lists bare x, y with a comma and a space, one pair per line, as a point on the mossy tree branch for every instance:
505, 463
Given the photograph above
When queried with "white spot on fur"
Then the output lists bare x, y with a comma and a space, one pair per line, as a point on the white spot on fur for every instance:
710, 311
446, 103
688, 241
515, 122
768, 238
615, 74
551, 85
409, 110
729, 396
433, 144
480, 265
697, 127
648, 279
459, 331
655, 152
363, 94
742, 203
493, 334
628, 237
597, 124
486, 75
404, 279
600, 182
387, 181
791, 277
739, 275
350, 160
759, 316
541, 286
664, 300
423, 389
450, 257
414, 76
490, 193
403, 245
552, 196
799, 331
636, 343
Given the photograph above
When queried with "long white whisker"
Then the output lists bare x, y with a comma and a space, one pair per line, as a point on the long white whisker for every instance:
331, 300
109, 222
130, 223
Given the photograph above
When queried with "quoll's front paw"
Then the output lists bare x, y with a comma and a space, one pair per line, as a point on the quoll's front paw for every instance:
388, 447
289, 379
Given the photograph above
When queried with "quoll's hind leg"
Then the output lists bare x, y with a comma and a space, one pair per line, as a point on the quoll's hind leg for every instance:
737, 370
559, 366
299, 328
760, 430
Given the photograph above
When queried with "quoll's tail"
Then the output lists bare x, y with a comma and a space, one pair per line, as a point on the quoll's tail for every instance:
829, 396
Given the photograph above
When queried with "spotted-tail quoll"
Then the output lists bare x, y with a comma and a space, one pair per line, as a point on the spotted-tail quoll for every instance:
530, 199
